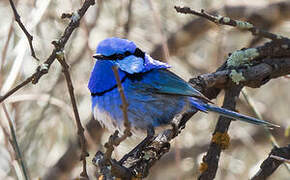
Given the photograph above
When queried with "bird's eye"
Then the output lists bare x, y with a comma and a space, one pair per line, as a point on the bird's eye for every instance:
139, 53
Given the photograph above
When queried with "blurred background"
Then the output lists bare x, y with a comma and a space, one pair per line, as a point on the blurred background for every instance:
42, 113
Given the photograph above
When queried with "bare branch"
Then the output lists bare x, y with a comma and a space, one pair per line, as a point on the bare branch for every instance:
27, 34
270, 164
220, 139
210, 85
59, 45
15, 145
84, 154
194, 29
105, 161
227, 21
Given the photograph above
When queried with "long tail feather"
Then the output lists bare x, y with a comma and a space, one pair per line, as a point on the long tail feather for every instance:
235, 115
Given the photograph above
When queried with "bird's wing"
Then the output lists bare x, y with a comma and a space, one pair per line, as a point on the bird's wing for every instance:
165, 82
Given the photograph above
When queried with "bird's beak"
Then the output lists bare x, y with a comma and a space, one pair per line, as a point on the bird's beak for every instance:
98, 56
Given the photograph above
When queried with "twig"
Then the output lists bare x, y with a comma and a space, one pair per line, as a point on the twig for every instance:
210, 85
8, 141
227, 21
61, 59
59, 45
9, 93
220, 139
200, 26
29, 36
15, 145
270, 164
127, 124
104, 161
115, 140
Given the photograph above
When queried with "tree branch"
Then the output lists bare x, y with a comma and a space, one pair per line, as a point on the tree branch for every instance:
209, 84
243, 25
84, 154
194, 29
270, 164
27, 34
59, 45
220, 139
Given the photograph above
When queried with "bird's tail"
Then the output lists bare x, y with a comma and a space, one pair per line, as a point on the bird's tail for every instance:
238, 116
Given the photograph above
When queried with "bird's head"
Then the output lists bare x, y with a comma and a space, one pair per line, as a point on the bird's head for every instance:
126, 55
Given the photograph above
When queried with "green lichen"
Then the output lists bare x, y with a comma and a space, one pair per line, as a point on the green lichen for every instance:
244, 25
279, 37
218, 18
242, 57
226, 19
237, 77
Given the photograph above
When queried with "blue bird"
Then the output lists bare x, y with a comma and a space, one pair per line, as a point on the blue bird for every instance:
154, 94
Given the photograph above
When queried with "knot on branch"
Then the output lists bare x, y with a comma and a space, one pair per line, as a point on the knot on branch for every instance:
203, 167
66, 15
221, 139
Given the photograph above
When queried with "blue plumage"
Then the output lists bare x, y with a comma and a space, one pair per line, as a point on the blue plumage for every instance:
155, 95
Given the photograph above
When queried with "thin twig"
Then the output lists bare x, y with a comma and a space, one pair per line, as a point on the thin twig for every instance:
115, 139
109, 167
9, 93
227, 21
15, 145
272, 162
59, 45
125, 104
84, 154
7, 141
27, 34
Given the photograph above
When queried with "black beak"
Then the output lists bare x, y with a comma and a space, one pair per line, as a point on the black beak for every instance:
98, 56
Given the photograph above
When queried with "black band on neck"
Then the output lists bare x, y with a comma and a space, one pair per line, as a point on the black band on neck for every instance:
108, 90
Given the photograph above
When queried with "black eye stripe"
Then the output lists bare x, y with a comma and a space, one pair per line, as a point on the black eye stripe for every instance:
138, 53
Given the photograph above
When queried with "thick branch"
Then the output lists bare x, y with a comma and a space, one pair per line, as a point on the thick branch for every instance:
211, 159
210, 85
